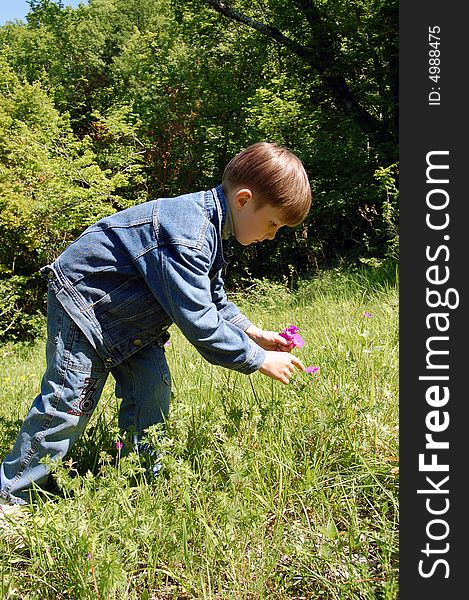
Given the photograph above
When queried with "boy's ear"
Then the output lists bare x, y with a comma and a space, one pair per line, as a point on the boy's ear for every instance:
241, 197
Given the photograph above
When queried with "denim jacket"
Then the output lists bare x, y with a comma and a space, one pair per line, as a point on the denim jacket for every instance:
132, 274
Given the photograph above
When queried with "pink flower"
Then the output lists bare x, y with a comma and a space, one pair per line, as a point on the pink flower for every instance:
312, 369
292, 336
367, 314
167, 344
119, 445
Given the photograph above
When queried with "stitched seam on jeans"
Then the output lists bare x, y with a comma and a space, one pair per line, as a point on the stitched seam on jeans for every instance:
39, 436
132, 379
163, 366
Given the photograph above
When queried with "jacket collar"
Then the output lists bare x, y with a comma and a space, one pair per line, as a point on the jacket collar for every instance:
225, 225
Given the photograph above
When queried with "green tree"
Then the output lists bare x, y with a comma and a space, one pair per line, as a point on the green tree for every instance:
332, 97
351, 48
51, 188
119, 101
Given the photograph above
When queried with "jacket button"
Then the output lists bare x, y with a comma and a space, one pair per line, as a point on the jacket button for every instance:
137, 342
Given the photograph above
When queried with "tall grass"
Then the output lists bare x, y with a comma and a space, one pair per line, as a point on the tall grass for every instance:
267, 491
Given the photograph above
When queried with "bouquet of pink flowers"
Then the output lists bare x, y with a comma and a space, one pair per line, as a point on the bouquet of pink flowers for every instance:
293, 337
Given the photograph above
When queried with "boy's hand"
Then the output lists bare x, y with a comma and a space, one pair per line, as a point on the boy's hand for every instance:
281, 366
269, 340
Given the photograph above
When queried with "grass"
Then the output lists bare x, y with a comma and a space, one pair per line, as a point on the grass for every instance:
268, 491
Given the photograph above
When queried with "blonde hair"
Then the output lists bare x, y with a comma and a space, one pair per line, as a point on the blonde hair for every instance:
276, 177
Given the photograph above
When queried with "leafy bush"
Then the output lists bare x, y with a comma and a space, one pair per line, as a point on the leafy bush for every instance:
51, 188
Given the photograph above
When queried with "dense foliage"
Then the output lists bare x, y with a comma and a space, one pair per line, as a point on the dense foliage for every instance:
120, 101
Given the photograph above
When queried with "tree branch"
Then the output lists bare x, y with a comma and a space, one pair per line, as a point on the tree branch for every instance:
224, 9
336, 83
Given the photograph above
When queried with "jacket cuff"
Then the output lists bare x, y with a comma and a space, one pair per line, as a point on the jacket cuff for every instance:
241, 322
254, 360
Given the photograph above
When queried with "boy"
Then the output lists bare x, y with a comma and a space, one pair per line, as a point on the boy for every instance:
115, 290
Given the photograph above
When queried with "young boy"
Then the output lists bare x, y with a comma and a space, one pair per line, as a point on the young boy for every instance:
115, 290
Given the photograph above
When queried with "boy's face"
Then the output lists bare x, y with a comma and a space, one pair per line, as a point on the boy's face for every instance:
252, 224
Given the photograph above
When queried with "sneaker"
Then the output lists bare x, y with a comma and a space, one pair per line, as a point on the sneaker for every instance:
151, 455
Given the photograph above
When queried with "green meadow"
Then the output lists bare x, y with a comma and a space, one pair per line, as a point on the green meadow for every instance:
266, 491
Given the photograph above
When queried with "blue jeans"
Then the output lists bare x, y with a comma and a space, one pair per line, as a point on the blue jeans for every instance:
71, 387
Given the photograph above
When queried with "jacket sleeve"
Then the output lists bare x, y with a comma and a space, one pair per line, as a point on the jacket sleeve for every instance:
178, 276
228, 310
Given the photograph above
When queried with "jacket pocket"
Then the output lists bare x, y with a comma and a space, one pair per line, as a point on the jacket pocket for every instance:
127, 302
